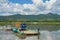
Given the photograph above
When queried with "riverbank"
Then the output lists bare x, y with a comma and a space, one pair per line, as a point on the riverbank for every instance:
31, 22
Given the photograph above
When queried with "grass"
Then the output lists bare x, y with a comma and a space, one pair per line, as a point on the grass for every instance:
43, 25
31, 22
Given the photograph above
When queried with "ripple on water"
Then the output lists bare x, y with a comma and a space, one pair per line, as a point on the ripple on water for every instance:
45, 35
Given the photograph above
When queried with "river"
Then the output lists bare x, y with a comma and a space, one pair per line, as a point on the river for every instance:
44, 35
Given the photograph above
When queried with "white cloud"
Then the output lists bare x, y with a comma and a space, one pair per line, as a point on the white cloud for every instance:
5, 14
3, 1
37, 2
56, 7
29, 6
50, 3
38, 7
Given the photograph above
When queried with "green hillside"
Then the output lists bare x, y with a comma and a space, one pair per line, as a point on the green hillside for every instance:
41, 17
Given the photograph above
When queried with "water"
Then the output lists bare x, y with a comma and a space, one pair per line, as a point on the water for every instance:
4, 35
44, 35
44, 27
53, 35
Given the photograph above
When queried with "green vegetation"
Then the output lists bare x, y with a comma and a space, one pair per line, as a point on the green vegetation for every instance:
43, 25
43, 21
41, 17
7, 22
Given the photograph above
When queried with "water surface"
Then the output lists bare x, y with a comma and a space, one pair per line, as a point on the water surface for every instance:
45, 34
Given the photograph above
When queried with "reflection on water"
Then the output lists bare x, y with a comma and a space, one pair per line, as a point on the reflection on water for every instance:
45, 35
54, 35
4, 35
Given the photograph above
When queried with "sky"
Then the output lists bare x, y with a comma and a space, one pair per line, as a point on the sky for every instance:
29, 7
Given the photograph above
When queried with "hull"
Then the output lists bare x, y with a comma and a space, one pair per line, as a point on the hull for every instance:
30, 32
27, 32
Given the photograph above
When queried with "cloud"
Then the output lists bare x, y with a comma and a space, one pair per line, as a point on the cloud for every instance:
49, 4
37, 2
56, 7
38, 7
5, 14
3, 1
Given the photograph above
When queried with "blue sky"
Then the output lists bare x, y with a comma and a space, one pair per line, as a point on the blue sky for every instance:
29, 7
21, 1
45, 0
24, 1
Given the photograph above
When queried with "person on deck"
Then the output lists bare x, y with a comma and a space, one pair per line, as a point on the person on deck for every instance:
23, 26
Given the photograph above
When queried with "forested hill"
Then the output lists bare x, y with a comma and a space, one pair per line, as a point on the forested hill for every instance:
49, 16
